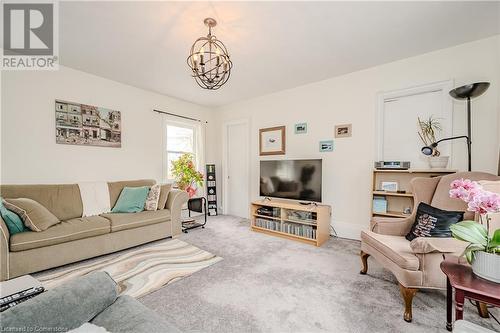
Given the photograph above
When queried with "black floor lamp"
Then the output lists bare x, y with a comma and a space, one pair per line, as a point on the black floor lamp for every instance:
462, 93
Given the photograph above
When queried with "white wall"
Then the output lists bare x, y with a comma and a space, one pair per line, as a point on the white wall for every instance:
352, 99
31, 155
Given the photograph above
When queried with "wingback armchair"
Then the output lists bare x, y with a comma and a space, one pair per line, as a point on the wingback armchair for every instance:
415, 264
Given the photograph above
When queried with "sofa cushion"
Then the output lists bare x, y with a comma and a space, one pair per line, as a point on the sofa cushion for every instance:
127, 315
164, 189
34, 215
115, 188
131, 200
12, 220
153, 198
63, 232
122, 221
395, 248
433, 222
64, 201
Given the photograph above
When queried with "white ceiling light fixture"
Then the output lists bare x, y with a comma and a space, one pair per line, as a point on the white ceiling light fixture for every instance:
209, 60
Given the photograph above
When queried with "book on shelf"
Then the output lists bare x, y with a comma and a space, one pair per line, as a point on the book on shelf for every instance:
268, 224
289, 228
299, 230
379, 204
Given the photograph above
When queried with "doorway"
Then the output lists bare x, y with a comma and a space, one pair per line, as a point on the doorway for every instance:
236, 170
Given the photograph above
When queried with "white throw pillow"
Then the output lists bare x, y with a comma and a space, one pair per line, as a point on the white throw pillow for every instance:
153, 197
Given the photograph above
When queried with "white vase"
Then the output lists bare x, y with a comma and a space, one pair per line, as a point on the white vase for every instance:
487, 266
438, 162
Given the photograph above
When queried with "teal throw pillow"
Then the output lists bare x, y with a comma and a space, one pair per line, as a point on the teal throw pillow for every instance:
131, 200
12, 220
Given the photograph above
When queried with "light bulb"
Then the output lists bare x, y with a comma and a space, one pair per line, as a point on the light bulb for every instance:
202, 52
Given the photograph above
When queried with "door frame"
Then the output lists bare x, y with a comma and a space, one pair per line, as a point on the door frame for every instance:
225, 155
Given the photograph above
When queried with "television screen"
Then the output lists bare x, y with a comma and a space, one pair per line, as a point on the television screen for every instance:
291, 179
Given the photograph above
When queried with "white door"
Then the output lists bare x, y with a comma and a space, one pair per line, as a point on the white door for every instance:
237, 177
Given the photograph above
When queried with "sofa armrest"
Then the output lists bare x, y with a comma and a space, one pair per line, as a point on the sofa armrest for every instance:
393, 226
175, 200
423, 245
4, 251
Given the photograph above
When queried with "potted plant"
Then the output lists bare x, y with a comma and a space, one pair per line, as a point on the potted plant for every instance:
185, 174
483, 251
427, 131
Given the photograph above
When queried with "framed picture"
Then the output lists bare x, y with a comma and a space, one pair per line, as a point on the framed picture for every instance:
272, 140
88, 125
343, 131
301, 128
326, 146
389, 186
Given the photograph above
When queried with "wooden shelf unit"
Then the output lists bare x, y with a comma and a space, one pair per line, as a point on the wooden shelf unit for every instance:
321, 224
396, 202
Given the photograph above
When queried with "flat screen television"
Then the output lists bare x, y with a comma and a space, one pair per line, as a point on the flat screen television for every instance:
291, 179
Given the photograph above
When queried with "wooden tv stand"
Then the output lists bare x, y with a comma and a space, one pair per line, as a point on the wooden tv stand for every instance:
304, 223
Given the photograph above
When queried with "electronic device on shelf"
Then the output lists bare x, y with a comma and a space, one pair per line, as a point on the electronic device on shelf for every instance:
269, 211
18, 290
392, 165
291, 179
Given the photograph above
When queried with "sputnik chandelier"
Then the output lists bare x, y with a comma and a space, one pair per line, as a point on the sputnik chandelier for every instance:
209, 60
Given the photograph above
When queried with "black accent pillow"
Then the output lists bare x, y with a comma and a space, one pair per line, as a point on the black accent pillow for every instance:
433, 222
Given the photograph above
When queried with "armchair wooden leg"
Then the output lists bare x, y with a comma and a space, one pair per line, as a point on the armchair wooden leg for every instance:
407, 294
364, 261
482, 308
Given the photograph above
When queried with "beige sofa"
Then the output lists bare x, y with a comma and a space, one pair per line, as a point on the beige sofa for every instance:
416, 264
76, 238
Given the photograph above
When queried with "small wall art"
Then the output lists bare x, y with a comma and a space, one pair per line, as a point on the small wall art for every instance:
343, 131
326, 146
301, 128
272, 140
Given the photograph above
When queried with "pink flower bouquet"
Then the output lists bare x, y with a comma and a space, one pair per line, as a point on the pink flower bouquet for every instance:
483, 203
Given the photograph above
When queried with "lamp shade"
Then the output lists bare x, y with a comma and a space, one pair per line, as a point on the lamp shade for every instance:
427, 150
470, 90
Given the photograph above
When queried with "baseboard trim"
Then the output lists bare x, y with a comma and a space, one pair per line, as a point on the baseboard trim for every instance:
348, 230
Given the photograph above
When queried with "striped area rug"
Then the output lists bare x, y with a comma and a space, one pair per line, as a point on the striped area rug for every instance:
142, 271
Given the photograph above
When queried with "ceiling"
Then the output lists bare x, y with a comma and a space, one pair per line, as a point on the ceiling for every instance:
273, 45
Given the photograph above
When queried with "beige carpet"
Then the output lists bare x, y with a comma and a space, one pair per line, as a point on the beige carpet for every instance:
270, 284
139, 271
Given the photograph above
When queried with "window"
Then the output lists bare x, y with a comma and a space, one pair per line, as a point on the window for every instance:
181, 139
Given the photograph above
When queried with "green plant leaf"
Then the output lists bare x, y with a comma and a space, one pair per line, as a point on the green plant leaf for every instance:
469, 256
470, 231
471, 250
495, 240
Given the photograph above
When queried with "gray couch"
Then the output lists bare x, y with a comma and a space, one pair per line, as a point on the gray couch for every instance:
92, 298
76, 238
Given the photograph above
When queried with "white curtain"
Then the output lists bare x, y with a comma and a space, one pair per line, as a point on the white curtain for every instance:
200, 137
199, 128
